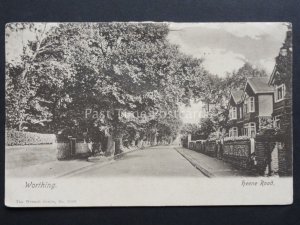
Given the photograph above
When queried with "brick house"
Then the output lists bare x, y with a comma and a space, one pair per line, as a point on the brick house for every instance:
281, 80
235, 122
251, 110
257, 106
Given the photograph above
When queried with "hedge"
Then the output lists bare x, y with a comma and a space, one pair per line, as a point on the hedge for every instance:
27, 138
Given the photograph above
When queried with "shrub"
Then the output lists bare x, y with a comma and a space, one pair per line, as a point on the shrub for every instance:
27, 138
239, 138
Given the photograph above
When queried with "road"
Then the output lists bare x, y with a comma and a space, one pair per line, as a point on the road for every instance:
155, 161
29, 155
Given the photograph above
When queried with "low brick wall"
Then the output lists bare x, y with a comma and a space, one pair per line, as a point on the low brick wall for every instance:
211, 148
192, 145
285, 161
199, 146
260, 155
237, 153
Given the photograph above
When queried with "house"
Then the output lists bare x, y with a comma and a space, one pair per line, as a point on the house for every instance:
257, 106
235, 122
282, 100
281, 80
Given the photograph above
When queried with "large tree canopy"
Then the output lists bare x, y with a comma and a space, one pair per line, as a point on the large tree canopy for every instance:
106, 67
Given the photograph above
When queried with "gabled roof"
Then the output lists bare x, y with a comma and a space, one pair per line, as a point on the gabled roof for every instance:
259, 85
271, 80
237, 96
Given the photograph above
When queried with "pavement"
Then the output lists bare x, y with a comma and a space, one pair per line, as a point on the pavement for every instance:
210, 166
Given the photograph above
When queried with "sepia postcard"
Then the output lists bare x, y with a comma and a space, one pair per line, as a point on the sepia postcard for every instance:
148, 114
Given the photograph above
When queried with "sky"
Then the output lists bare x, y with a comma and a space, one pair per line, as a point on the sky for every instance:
225, 47
16, 40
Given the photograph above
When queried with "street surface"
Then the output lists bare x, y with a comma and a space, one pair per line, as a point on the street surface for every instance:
155, 161
29, 155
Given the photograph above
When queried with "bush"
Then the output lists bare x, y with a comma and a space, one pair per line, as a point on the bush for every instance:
27, 138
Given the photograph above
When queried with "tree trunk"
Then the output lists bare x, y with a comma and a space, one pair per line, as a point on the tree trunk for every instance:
118, 145
110, 149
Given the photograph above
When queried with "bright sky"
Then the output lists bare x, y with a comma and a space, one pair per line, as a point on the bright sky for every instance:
15, 41
226, 47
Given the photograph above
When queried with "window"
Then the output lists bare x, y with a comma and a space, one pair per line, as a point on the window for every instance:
233, 132
279, 93
249, 129
245, 130
252, 129
251, 104
233, 113
245, 108
277, 122
241, 112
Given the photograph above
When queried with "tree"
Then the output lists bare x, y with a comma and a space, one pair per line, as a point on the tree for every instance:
107, 67
237, 79
218, 92
189, 128
39, 66
206, 128
135, 69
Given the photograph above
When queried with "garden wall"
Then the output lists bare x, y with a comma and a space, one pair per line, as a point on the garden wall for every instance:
211, 148
260, 155
237, 152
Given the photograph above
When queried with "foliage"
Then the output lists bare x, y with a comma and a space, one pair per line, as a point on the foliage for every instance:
189, 128
28, 138
33, 81
239, 138
284, 61
108, 67
219, 90
206, 128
